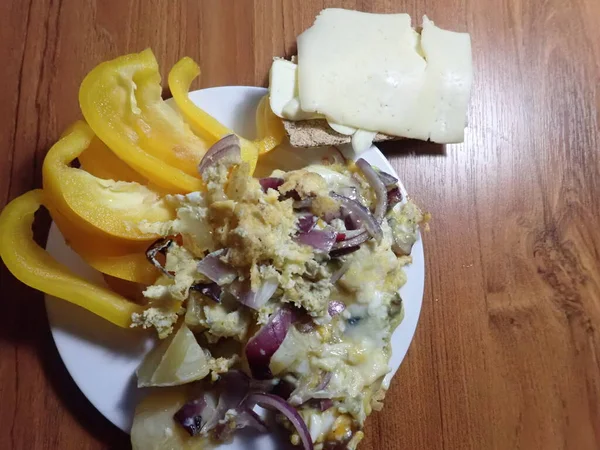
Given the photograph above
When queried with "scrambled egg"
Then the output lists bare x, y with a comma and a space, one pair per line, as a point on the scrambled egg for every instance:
257, 227
215, 320
153, 317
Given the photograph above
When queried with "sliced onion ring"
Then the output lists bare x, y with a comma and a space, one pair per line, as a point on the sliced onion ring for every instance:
263, 345
377, 185
304, 392
227, 150
248, 418
306, 222
270, 183
210, 290
243, 292
320, 240
216, 270
362, 214
336, 253
394, 197
271, 401
388, 180
160, 246
195, 415
337, 275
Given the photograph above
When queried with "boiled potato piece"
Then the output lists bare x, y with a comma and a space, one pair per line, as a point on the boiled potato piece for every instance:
153, 425
176, 360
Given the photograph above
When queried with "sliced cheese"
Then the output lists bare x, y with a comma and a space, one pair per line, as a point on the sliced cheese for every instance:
342, 129
374, 72
282, 84
449, 78
362, 140
283, 91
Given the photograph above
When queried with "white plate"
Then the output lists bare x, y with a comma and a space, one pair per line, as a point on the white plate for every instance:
102, 358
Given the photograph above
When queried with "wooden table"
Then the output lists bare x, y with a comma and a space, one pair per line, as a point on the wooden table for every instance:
507, 352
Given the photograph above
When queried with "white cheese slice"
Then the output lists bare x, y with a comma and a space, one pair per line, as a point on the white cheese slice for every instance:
362, 140
292, 111
283, 91
449, 77
342, 129
368, 71
282, 84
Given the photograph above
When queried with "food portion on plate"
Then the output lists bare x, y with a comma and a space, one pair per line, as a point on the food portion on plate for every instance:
283, 289
360, 77
273, 298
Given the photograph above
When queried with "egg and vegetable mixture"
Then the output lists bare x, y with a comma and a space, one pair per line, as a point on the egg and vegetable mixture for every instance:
286, 286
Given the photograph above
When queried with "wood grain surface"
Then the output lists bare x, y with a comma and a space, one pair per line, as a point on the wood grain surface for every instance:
507, 352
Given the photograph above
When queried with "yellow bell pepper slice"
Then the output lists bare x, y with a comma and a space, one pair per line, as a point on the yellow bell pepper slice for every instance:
121, 101
180, 78
98, 206
269, 127
118, 258
36, 268
100, 161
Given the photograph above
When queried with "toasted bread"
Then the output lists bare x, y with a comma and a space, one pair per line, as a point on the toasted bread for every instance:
317, 133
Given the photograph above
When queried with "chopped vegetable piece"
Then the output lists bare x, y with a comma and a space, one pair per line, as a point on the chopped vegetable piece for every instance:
225, 150
36, 268
265, 343
179, 359
121, 101
160, 246
98, 206
274, 402
216, 270
377, 185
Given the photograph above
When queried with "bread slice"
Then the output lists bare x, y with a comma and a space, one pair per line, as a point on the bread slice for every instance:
317, 133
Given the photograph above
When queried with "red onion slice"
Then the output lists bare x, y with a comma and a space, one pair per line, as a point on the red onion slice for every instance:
248, 418
284, 389
362, 214
233, 387
389, 181
255, 300
336, 253
337, 275
243, 418
305, 392
210, 290
216, 270
159, 247
394, 196
303, 204
320, 240
306, 222
226, 150
273, 402
351, 221
324, 381
263, 345
324, 404
270, 183
335, 307
377, 185
194, 415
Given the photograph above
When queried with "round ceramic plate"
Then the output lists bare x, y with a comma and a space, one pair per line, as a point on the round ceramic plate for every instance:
102, 358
